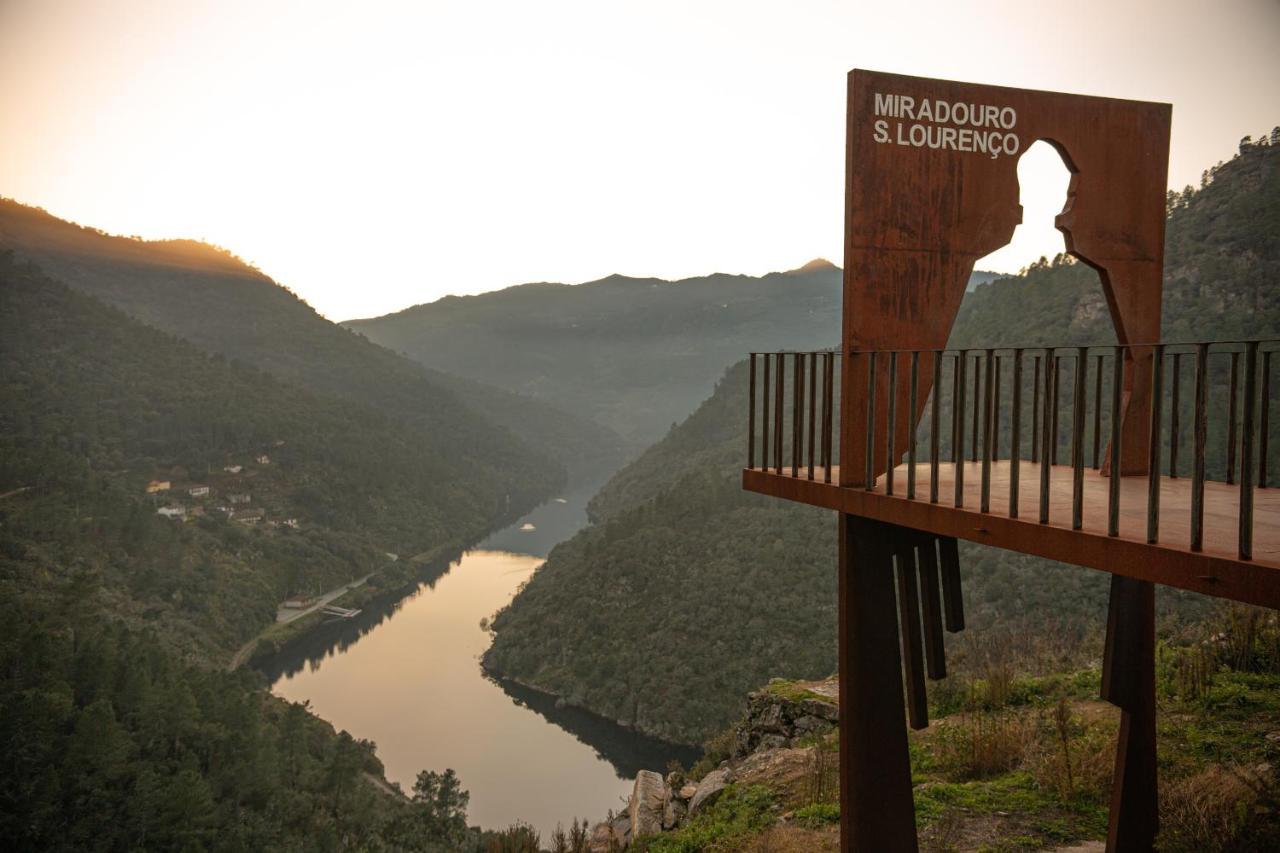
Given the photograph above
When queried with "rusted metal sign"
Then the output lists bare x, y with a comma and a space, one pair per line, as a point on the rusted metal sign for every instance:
932, 185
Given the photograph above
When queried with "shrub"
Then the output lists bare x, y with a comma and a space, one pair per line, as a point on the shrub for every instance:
1070, 757
1222, 808
982, 744
517, 838
818, 814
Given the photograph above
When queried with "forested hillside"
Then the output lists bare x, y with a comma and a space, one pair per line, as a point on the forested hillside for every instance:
212, 299
119, 727
679, 559
94, 406
637, 355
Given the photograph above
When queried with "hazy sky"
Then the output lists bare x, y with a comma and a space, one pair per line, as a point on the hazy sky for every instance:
373, 155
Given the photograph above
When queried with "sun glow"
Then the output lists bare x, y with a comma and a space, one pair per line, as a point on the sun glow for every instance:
376, 155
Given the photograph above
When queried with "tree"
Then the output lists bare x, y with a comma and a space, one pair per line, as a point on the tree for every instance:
441, 805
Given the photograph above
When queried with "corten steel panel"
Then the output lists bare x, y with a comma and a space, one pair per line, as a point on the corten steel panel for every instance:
1216, 571
917, 218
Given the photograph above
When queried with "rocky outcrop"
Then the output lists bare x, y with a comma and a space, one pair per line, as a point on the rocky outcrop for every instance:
786, 714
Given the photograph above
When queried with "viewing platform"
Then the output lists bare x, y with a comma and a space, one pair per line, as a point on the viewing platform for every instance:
956, 473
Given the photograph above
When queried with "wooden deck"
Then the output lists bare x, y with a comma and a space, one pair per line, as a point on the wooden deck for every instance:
1216, 570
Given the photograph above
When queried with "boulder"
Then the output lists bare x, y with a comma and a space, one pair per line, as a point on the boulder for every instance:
811, 725
610, 837
673, 813
710, 789
648, 803
822, 710
686, 793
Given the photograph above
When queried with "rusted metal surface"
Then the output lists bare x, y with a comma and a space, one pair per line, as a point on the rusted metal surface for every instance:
909, 629
1128, 681
1177, 524
1217, 571
923, 205
877, 811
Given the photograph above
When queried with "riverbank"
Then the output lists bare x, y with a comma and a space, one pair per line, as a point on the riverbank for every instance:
561, 703
390, 583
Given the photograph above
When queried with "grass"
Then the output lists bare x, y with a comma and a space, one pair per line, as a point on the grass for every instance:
793, 692
740, 812
1019, 762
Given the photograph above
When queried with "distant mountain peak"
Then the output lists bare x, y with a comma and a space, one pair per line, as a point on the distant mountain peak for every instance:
815, 265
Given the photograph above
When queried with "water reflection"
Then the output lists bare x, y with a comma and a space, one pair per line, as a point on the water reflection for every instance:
405, 673
629, 752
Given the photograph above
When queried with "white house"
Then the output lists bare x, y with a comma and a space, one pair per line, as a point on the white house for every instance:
198, 491
172, 511
263, 459
233, 469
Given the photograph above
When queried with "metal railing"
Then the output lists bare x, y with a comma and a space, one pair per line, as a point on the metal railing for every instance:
819, 371
974, 406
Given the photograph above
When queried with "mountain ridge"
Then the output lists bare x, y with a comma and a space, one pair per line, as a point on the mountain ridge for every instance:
206, 295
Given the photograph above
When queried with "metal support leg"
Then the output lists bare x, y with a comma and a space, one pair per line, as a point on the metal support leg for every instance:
1128, 681
877, 813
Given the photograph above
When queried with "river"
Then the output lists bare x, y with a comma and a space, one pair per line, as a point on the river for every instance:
407, 676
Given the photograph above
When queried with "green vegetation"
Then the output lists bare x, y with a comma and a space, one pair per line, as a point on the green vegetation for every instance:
113, 743
208, 297
120, 728
699, 593
94, 405
1030, 768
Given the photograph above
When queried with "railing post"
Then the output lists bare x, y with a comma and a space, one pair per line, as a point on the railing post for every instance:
977, 375
1200, 426
957, 450
778, 419
911, 424
764, 418
751, 415
797, 413
984, 500
1113, 497
813, 393
1046, 459
995, 408
1231, 419
1015, 440
1174, 415
1153, 458
1097, 409
1246, 450
1264, 420
891, 416
828, 416
934, 425
1077, 439
870, 483
1035, 412
1053, 435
